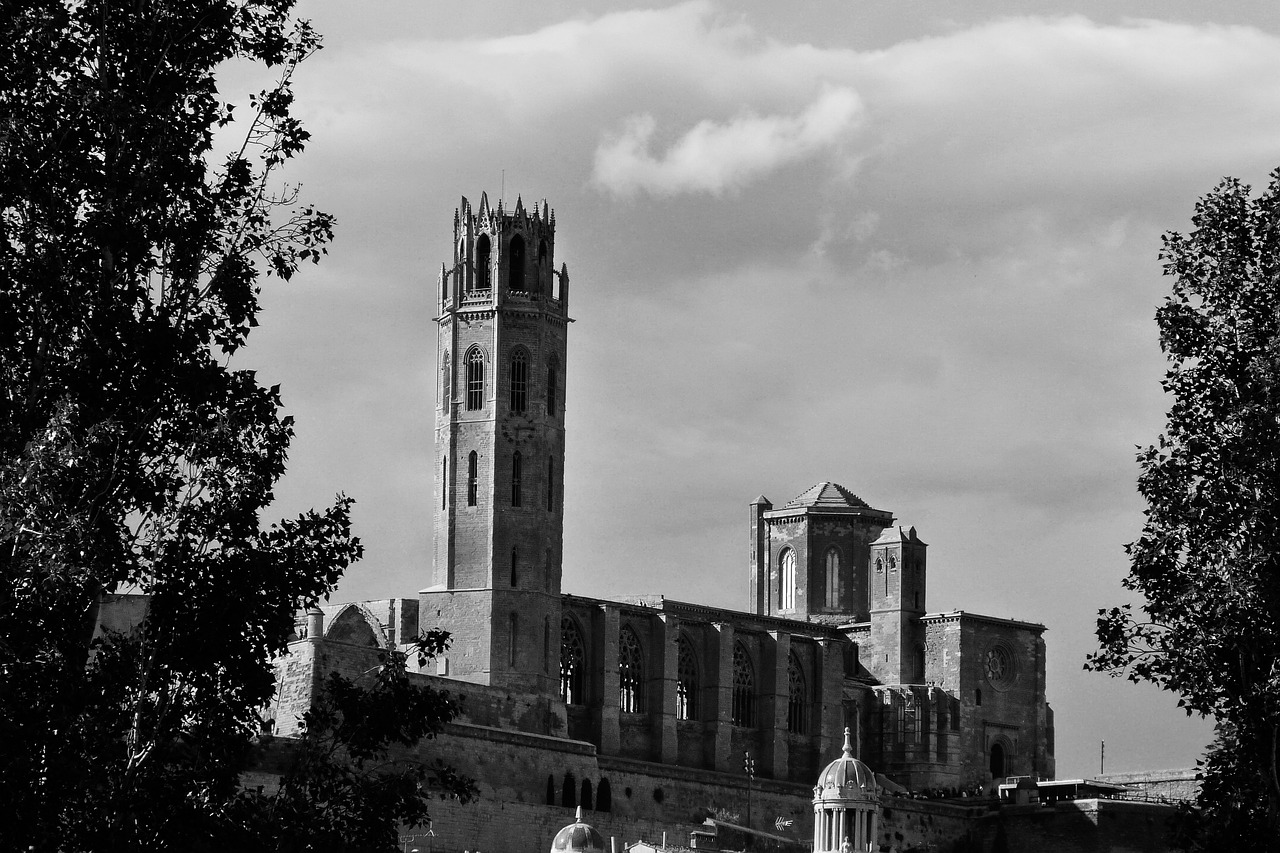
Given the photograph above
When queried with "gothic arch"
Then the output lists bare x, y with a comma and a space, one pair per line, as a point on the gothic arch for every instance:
356, 624
630, 672
516, 264
688, 682
573, 662
743, 710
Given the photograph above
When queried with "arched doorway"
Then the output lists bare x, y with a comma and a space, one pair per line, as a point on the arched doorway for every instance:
997, 761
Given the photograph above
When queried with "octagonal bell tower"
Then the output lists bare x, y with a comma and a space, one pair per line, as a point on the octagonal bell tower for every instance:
499, 448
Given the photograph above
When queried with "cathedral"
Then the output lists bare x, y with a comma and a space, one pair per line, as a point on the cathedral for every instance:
649, 709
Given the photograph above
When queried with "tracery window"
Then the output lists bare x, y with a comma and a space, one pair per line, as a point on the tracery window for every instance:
788, 563
797, 697
475, 379
686, 680
572, 663
519, 376
630, 672
517, 475
833, 578
743, 710
473, 477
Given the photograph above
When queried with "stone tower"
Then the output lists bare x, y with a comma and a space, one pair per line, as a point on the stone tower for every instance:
897, 603
809, 557
499, 448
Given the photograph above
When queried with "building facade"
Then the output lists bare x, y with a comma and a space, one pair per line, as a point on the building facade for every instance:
839, 634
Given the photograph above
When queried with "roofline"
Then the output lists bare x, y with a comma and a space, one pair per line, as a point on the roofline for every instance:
787, 512
707, 613
978, 617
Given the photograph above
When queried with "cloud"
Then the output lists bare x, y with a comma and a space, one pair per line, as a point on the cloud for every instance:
715, 158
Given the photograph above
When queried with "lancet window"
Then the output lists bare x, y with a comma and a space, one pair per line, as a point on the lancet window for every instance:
797, 698
743, 711
833, 578
788, 596
475, 379
519, 377
572, 663
515, 264
517, 479
686, 680
630, 672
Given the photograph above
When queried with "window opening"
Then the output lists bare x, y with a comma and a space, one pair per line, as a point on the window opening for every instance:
543, 286
586, 794
515, 267
446, 381
473, 477
788, 579
551, 790
517, 463
833, 578
572, 663
513, 623
569, 792
514, 560
797, 704
482, 263
551, 484
519, 375
546, 643
552, 370
604, 796
743, 711
686, 680
444, 483
630, 672
475, 380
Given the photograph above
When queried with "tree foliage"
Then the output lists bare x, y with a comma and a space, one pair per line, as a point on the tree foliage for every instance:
1207, 561
131, 457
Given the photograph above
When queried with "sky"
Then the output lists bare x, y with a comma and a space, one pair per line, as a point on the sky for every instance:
911, 248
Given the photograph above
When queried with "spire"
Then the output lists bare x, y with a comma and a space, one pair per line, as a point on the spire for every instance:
484, 205
848, 747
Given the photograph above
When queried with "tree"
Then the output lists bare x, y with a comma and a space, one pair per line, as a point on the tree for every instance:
1207, 561
132, 458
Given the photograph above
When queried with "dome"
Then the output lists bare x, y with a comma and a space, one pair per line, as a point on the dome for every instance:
846, 778
578, 837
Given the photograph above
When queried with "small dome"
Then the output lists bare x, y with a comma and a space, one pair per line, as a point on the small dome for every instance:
846, 778
578, 837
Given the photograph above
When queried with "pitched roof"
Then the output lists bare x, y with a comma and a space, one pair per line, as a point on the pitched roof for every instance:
827, 494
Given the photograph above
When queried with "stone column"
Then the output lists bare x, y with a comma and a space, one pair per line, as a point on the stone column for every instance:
722, 717
665, 634
607, 643
777, 695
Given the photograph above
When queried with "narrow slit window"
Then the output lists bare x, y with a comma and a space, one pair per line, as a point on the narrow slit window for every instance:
551, 387
517, 463
473, 477
551, 484
515, 561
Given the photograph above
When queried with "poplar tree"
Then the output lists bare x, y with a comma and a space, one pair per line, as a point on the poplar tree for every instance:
132, 458
1207, 562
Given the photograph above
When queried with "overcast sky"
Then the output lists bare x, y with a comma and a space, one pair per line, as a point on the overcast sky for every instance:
907, 247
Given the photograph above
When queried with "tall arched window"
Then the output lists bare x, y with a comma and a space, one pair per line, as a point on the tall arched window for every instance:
513, 624
788, 563
686, 680
585, 799
604, 796
833, 578
553, 368
543, 268
630, 672
569, 792
482, 263
743, 711
475, 379
515, 558
519, 377
546, 643
473, 477
797, 698
515, 264
444, 483
517, 474
572, 663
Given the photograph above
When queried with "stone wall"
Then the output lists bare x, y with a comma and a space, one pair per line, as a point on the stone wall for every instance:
1171, 785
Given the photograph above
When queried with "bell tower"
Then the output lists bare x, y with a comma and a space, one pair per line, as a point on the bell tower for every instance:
499, 448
